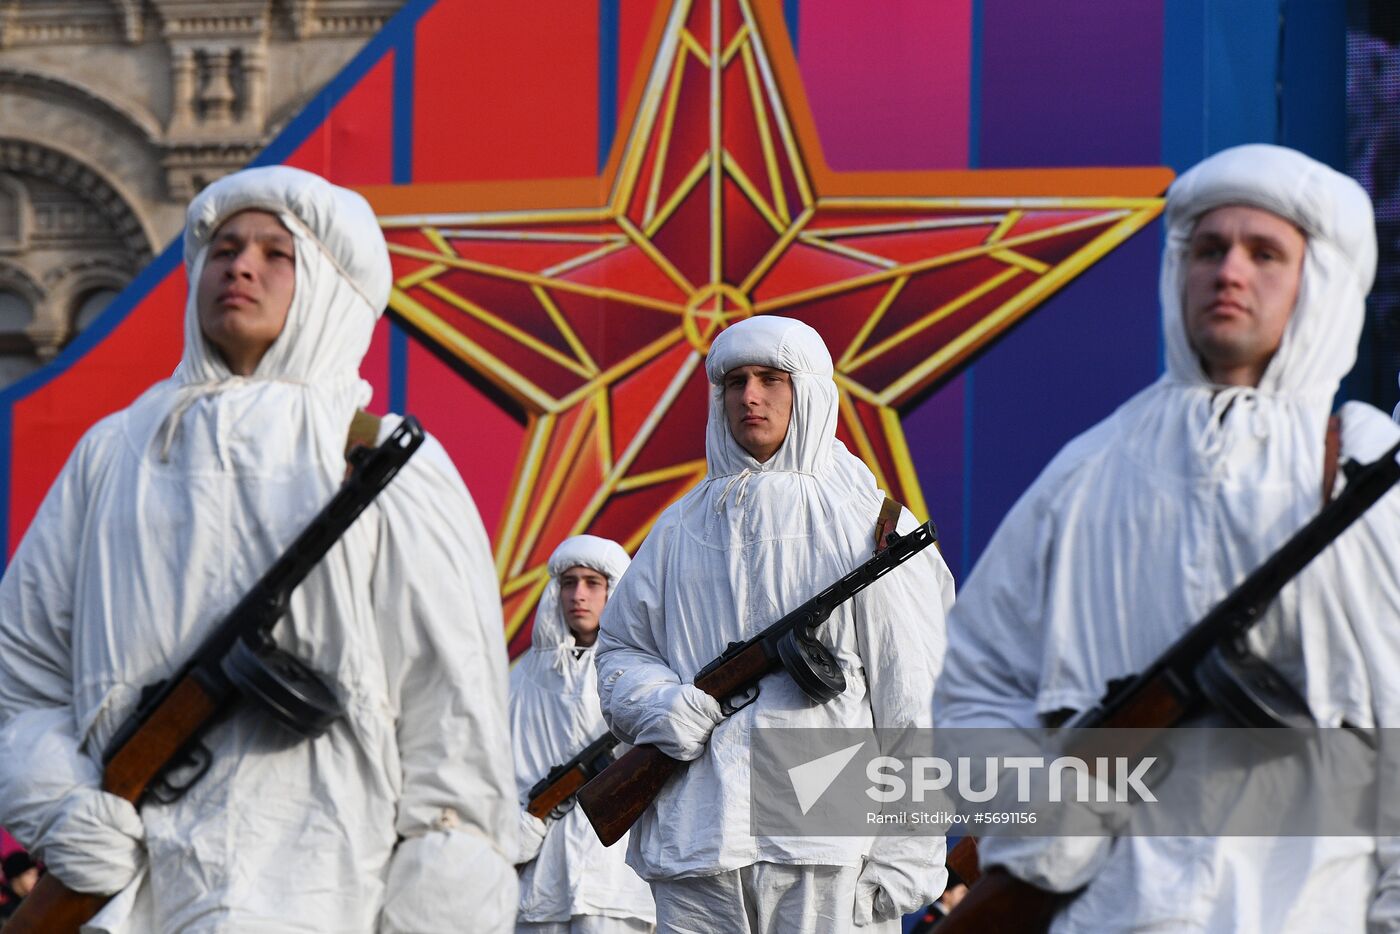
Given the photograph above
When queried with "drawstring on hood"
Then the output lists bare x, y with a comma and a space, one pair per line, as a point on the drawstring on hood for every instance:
1212, 445
741, 480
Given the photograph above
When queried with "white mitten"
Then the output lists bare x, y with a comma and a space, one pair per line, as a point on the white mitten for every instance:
885, 892
688, 716
532, 831
446, 882
95, 844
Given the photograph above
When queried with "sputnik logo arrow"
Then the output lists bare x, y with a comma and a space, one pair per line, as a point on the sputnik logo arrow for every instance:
811, 779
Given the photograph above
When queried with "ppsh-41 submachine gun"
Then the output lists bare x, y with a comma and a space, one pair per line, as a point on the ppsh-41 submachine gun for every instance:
615, 799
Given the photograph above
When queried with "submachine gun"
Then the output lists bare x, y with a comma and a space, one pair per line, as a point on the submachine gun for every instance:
552, 795
157, 753
615, 799
1208, 667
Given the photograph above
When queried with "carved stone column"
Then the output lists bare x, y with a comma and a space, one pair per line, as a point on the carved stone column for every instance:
182, 89
254, 91
131, 20
217, 95
301, 14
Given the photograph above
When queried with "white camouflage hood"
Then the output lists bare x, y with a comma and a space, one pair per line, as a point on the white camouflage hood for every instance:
1334, 213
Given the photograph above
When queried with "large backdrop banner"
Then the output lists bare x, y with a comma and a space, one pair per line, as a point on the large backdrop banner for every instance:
579, 195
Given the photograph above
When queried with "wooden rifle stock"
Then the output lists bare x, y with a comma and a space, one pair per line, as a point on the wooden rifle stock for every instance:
53, 908
624, 790
1168, 692
616, 798
165, 731
962, 861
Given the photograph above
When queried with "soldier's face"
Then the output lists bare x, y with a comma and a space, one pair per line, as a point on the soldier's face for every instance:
583, 593
245, 289
1243, 269
758, 407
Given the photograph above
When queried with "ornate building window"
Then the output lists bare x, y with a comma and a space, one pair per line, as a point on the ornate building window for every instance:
90, 306
16, 347
117, 112
15, 312
77, 242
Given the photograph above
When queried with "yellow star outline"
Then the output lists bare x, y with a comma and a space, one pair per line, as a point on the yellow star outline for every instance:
905, 287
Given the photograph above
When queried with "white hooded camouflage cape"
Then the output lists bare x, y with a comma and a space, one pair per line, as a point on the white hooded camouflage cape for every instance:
399, 817
554, 714
1142, 523
752, 542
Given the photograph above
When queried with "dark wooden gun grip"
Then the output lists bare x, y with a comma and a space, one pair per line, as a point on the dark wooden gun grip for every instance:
556, 794
617, 796
180, 718
738, 674
1002, 904
962, 859
53, 908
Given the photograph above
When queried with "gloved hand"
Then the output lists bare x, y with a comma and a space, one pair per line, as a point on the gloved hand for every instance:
689, 716
448, 881
531, 837
95, 844
885, 892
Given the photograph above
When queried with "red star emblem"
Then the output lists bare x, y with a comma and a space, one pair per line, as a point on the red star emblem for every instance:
590, 303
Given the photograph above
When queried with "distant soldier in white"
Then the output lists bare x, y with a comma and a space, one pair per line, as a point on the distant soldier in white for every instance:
401, 817
783, 511
569, 882
1140, 525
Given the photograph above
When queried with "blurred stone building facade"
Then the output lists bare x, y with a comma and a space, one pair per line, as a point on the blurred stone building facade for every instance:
114, 113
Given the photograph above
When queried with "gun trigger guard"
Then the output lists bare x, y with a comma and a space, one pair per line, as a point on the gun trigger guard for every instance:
563, 807
196, 758
729, 707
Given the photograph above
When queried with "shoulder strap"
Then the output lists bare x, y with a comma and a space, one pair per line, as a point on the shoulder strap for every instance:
364, 430
890, 511
1332, 452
